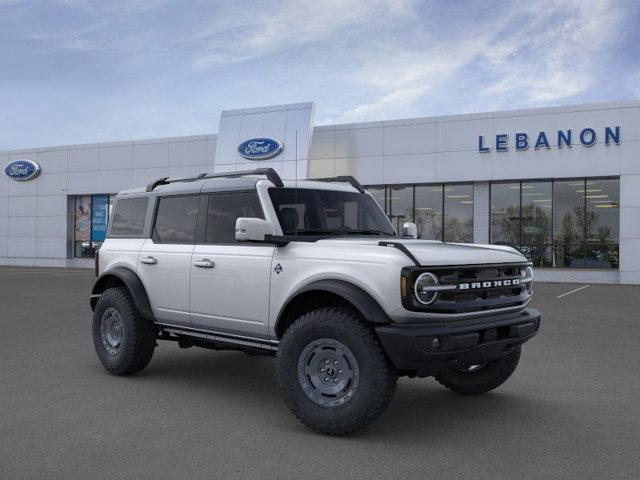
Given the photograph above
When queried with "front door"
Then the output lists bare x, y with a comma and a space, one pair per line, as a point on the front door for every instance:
164, 263
229, 279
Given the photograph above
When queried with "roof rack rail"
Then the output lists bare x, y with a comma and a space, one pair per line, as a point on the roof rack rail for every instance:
343, 178
270, 173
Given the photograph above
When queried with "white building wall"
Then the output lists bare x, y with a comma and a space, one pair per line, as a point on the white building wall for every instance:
445, 149
36, 221
290, 124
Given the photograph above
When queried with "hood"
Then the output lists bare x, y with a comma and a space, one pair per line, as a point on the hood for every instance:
434, 253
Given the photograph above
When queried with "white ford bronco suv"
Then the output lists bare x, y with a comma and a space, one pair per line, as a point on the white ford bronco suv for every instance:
313, 273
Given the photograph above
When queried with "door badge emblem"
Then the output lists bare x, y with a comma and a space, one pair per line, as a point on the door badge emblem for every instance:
278, 268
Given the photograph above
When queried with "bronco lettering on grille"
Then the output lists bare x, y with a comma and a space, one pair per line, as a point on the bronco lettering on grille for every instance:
509, 282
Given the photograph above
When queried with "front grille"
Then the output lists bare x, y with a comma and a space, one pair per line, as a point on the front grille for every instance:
484, 289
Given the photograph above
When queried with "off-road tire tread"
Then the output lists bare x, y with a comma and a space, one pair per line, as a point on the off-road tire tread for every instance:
491, 376
385, 373
141, 334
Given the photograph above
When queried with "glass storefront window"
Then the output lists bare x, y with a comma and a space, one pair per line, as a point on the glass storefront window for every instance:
568, 212
458, 213
428, 211
603, 223
440, 211
505, 214
536, 222
91, 217
400, 205
379, 194
564, 223
569, 223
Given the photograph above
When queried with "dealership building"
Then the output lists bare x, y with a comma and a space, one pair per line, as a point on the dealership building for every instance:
561, 184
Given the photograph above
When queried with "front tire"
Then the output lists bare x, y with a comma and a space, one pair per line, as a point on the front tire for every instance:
333, 373
123, 340
483, 378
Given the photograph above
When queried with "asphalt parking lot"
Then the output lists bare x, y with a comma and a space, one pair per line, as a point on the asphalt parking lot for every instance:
571, 410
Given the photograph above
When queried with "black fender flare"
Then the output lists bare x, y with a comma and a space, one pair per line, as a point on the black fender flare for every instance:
368, 307
132, 282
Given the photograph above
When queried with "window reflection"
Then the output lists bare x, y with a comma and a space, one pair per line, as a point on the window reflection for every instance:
505, 214
603, 211
536, 222
458, 213
565, 223
400, 206
428, 212
603, 223
378, 194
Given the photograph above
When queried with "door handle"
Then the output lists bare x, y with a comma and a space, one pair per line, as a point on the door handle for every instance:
149, 260
204, 263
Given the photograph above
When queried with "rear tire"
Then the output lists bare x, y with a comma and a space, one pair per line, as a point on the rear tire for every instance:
484, 379
123, 340
333, 373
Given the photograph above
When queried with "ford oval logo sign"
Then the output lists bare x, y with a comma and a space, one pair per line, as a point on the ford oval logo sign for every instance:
260, 148
22, 170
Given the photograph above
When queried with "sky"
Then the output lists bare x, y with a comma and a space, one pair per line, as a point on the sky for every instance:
80, 71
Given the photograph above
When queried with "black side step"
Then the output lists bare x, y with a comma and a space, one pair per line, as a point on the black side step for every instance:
220, 337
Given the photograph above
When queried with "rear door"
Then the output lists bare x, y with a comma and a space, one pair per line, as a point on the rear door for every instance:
164, 263
230, 279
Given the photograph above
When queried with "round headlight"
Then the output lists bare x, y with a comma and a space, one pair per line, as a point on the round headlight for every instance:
421, 288
526, 275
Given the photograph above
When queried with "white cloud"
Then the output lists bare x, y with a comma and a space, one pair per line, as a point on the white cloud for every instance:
166, 67
544, 52
554, 63
287, 25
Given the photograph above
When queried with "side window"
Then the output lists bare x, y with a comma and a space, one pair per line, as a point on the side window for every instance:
128, 217
224, 209
176, 219
293, 217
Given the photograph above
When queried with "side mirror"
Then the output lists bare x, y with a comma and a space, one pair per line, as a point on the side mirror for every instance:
409, 229
252, 229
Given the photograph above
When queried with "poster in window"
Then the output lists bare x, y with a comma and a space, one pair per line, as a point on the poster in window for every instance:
82, 229
99, 217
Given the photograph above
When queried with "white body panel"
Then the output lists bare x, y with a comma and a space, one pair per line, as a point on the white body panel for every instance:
374, 269
241, 288
167, 281
232, 296
120, 252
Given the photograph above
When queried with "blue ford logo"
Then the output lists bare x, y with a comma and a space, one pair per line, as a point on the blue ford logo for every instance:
22, 170
260, 148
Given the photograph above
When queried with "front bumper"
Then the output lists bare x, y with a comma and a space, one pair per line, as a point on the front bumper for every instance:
426, 350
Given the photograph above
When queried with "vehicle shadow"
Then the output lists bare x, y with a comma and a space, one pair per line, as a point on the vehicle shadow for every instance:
420, 408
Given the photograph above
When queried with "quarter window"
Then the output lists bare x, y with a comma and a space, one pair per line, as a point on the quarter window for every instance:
223, 211
176, 219
128, 217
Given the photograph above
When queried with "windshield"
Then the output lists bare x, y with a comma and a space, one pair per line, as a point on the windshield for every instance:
305, 211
